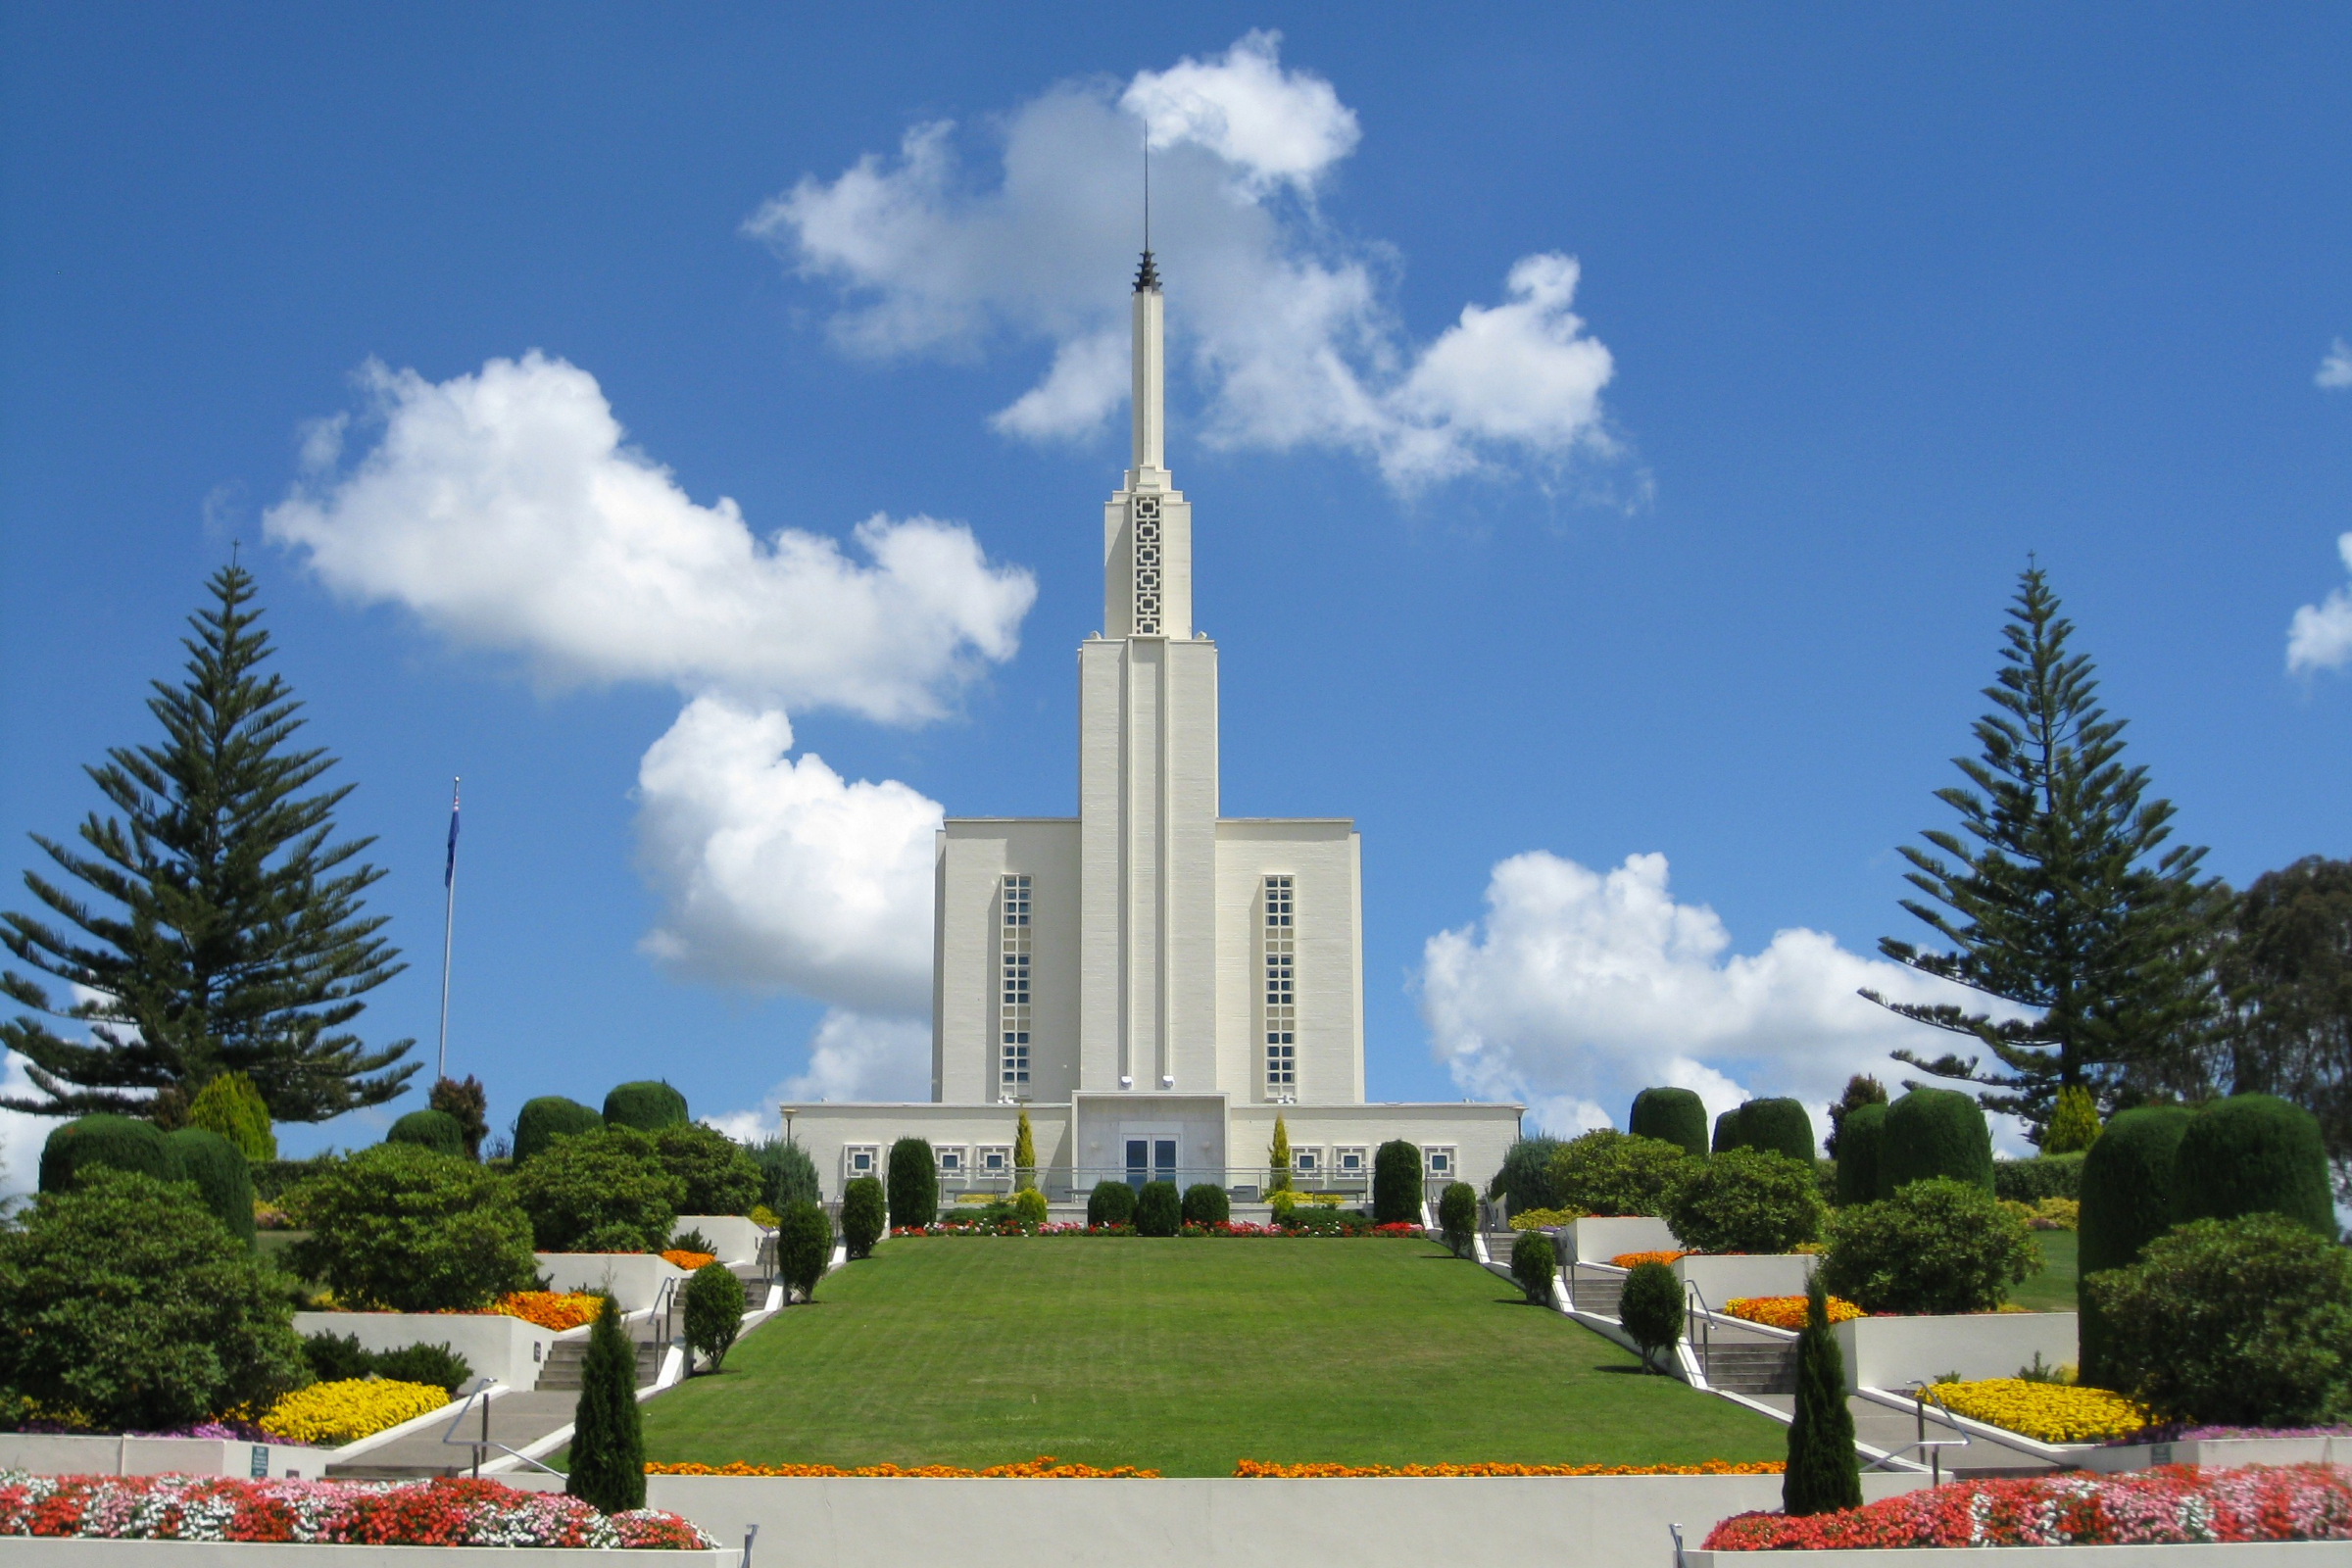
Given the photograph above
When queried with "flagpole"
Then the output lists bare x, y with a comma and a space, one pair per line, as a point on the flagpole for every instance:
449, 918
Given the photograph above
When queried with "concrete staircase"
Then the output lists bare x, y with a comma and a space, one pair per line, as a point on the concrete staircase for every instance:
1597, 1293
1737, 1364
561, 1370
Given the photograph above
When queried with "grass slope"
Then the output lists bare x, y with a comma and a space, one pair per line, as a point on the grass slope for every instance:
1185, 1356
2053, 1289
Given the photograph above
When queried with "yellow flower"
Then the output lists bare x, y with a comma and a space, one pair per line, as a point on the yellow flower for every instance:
2048, 1412
332, 1414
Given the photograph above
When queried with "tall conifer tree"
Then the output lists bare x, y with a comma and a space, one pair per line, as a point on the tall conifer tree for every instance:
216, 927
2060, 893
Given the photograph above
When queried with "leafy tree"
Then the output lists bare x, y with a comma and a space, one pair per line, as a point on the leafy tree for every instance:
718, 1174
127, 1301
599, 1192
1823, 1475
2059, 894
233, 1107
466, 1103
1936, 1247
608, 1441
713, 1312
1525, 1179
787, 1175
1609, 1173
1860, 1090
1650, 1306
412, 1230
1748, 1200
227, 932
2288, 971
2074, 1122
1024, 1156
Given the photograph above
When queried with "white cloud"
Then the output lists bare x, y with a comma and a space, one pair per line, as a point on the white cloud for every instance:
506, 511
777, 873
1284, 321
852, 1056
1579, 989
2319, 637
21, 1134
2335, 369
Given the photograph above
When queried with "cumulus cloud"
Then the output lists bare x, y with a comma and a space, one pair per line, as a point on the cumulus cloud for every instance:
507, 510
1284, 322
21, 1134
2335, 369
1579, 988
853, 1057
2319, 637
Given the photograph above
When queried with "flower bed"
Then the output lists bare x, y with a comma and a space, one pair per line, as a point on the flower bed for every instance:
1786, 1311
689, 1262
2177, 1504
2173, 1431
330, 1414
550, 1309
2048, 1412
1259, 1470
1044, 1467
1047, 1467
409, 1513
1545, 1219
1396, 1230
1637, 1259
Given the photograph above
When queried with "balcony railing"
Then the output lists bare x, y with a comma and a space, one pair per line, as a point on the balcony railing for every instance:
1243, 1184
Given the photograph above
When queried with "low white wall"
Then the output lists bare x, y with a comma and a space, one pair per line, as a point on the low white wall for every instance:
736, 1238
1596, 1240
2242, 1554
1719, 1279
1391, 1523
63, 1455
47, 1552
1893, 1353
2221, 1453
633, 1278
493, 1344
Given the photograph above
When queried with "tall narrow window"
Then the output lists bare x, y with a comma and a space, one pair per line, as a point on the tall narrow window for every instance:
1013, 1004
1146, 566
1282, 993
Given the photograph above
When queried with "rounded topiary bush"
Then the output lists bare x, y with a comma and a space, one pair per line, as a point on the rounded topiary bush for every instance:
913, 1183
1525, 1180
222, 1177
231, 1106
1748, 1200
2253, 1154
1457, 1216
407, 1230
1670, 1115
862, 1214
2126, 1197
804, 1246
713, 1312
648, 1105
1934, 1132
1727, 1132
1110, 1203
1397, 1184
1777, 1126
1158, 1209
1535, 1264
436, 1130
116, 1143
1860, 1144
1650, 1307
2030, 1181
1030, 1208
1205, 1204
543, 1121
1936, 1247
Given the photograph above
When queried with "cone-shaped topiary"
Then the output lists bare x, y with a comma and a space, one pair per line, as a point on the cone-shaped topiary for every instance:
231, 1106
2074, 1122
543, 1121
436, 1130
804, 1246
1278, 1157
861, 1215
1024, 1156
1158, 1209
2126, 1203
1650, 1306
1777, 1126
1727, 1132
647, 1104
1823, 1476
1110, 1203
2253, 1154
116, 1142
1535, 1264
1934, 1132
913, 1183
1859, 1142
1670, 1116
713, 1312
1205, 1204
1457, 1216
220, 1173
608, 1445
1397, 1184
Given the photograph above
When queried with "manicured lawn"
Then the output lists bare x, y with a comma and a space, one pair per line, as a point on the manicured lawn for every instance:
1185, 1356
2053, 1289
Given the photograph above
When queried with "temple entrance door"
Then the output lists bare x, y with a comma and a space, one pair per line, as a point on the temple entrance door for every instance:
1151, 1156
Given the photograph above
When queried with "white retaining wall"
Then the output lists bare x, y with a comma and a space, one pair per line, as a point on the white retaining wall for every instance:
736, 1238
493, 1344
1893, 1353
74, 1553
1720, 1279
633, 1278
1596, 1240
2246, 1554
2221, 1453
42, 1455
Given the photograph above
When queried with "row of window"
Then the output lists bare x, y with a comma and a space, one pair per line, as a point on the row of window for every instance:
996, 1159
1356, 1159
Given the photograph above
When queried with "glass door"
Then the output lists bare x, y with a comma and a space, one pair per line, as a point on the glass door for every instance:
1163, 1159
1138, 1170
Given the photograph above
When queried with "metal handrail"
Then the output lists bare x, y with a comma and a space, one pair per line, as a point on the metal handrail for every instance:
1921, 1393
666, 1301
1706, 1327
482, 1392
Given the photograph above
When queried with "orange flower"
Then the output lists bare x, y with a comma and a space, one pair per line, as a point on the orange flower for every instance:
1637, 1259
1786, 1311
1044, 1467
550, 1309
1260, 1470
689, 1262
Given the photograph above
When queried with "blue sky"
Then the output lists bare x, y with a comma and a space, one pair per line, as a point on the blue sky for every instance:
1634, 615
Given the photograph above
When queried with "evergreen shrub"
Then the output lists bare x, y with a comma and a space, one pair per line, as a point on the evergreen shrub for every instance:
1609, 1173
1534, 1263
913, 1183
341, 1358
599, 1192
1158, 1209
2253, 1154
2030, 1181
2126, 1192
1727, 1132
787, 1175
436, 1130
1823, 1474
804, 1246
1860, 1144
1525, 1180
718, 1174
1110, 1203
231, 1106
1937, 1246
274, 1179
1748, 1200
1650, 1307
1457, 1216
116, 1143
1029, 1205
1778, 1126
1934, 1132
1397, 1184
543, 1121
647, 1104
404, 1229
466, 1102
2074, 1124
1205, 1204
1024, 1154
862, 1215
713, 1312
1672, 1117
337, 1357
608, 1441
221, 1176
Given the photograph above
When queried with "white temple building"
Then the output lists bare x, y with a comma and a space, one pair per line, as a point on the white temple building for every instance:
1152, 981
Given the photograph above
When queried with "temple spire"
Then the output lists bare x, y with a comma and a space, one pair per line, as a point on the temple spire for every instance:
1151, 378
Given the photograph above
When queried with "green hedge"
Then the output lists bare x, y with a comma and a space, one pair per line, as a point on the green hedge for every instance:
1934, 1132
2030, 1181
2253, 1154
1110, 1203
1158, 1209
436, 1130
220, 1173
1727, 1132
862, 1214
1859, 1147
543, 1121
1777, 1126
1670, 1116
648, 1105
2126, 1192
1205, 1204
1397, 1184
116, 1143
913, 1183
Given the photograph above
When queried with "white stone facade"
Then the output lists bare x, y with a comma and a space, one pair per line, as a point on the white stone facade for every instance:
1155, 983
